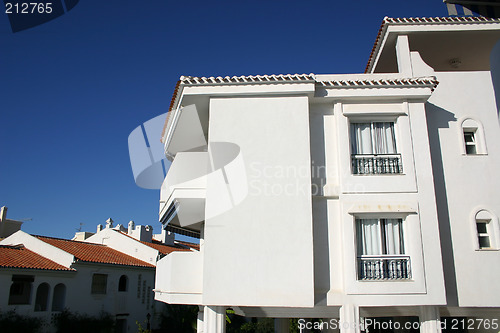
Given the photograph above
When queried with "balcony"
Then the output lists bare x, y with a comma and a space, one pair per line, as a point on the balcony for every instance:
366, 164
183, 192
377, 268
179, 278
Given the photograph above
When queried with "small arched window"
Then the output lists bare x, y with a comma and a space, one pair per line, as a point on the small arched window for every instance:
123, 283
59, 297
487, 230
473, 142
42, 297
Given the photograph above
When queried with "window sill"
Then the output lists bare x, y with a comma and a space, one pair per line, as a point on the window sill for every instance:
477, 154
492, 249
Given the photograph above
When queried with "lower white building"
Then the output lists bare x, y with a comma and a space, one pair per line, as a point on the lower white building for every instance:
111, 271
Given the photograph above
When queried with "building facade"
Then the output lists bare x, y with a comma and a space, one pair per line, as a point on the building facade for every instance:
355, 198
111, 271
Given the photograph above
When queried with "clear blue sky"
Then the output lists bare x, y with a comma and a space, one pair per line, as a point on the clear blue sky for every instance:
74, 88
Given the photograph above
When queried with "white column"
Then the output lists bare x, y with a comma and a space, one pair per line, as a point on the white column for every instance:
214, 319
281, 325
403, 56
199, 322
430, 319
349, 318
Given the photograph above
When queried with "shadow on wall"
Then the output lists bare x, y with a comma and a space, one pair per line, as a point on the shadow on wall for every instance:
440, 118
495, 73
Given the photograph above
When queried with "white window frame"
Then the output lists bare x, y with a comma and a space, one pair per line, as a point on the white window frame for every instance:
381, 265
487, 234
484, 216
474, 128
375, 162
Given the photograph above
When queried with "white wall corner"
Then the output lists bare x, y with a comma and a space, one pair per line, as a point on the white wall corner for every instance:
419, 67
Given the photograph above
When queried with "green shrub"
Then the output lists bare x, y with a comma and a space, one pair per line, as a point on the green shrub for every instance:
12, 322
69, 322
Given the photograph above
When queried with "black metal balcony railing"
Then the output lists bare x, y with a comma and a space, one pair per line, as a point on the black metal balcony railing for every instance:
384, 268
363, 164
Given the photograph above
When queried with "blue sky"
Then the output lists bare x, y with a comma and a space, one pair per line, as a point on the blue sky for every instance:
74, 88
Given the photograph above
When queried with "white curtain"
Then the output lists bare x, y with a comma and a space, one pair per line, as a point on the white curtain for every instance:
393, 236
369, 237
373, 138
361, 138
377, 237
383, 138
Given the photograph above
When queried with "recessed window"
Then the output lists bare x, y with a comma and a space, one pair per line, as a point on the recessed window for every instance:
42, 297
483, 234
373, 148
123, 283
20, 289
99, 283
470, 141
473, 140
486, 230
380, 249
59, 297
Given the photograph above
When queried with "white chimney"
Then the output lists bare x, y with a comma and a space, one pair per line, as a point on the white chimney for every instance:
109, 223
99, 227
131, 227
3, 213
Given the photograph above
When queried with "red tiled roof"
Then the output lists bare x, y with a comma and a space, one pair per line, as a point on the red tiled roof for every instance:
20, 257
191, 245
97, 253
160, 247
163, 248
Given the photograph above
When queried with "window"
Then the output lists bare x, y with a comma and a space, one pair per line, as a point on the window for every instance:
42, 297
59, 297
123, 283
373, 148
473, 141
483, 236
380, 247
20, 289
99, 283
470, 141
486, 225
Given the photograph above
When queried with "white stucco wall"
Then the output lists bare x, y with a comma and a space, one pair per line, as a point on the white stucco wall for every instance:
345, 196
467, 183
260, 252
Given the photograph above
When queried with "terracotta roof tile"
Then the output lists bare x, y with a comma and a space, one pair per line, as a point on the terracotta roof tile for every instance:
89, 252
381, 83
191, 245
244, 79
20, 257
162, 248
165, 249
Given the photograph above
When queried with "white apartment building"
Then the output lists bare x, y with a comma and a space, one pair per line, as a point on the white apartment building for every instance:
345, 197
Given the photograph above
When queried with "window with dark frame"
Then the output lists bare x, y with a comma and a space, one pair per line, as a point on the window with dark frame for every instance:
470, 141
483, 235
20, 289
99, 284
